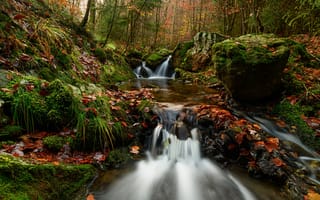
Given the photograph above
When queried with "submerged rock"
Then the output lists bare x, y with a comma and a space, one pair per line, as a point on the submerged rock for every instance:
251, 66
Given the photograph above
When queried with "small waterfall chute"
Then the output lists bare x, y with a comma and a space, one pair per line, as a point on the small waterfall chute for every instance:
161, 72
178, 173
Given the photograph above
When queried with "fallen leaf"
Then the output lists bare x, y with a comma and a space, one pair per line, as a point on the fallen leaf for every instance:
259, 144
135, 149
239, 137
19, 16
312, 195
56, 163
272, 144
278, 162
90, 197
124, 124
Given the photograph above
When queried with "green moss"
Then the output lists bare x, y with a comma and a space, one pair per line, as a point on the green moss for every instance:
60, 102
47, 74
22, 180
55, 142
63, 59
116, 158
111, 74
155, 57
184, 48
292, 115
291, 84
29, 110
10, 132
100, 54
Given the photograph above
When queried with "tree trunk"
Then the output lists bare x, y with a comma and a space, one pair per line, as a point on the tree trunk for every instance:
111, 23
86, 15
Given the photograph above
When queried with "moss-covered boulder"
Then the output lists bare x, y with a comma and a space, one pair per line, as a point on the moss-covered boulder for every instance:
196, 55
134, 58
20, 179
155, 59
251, 66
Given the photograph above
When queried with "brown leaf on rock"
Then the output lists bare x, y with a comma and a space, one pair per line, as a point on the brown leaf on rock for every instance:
278, 162
259, 144
312, 195
239, 137
272, 144
19, 16
90, 197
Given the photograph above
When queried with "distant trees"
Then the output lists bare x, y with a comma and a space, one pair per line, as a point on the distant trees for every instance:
152, 23
282, 17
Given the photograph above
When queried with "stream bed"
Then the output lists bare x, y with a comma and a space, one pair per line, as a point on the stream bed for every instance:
124, 183
176, 164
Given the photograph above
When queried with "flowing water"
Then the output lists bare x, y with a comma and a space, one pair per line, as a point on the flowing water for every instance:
179, 173
175, 170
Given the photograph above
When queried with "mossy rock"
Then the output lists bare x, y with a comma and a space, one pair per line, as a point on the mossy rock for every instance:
155, 59
251, 66
134, 58
195, 56
101, 54
20, 179
179, 53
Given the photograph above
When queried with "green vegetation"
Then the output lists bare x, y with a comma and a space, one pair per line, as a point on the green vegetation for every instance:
44, 181
55, 142
117, 158
292, 115
100, 54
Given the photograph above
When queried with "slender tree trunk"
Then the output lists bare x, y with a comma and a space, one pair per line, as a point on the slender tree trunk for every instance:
86, 15
111, 23
155, 38
92, 14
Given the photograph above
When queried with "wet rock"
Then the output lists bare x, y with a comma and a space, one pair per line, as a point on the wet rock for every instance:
153, 60
195, 56
251, 66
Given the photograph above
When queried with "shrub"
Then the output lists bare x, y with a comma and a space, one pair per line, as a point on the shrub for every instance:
54, 142
100, 54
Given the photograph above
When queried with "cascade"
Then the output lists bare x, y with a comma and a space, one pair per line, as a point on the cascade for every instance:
161, 72
175, 170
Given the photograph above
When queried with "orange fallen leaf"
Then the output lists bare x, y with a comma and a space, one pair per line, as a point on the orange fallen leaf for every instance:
312, 195
90, 197
135, 149
271, 144
259, 144
56, 163
239, 137
124, 124
278, 162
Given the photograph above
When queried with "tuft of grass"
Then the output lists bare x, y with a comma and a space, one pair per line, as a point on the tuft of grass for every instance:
102, 133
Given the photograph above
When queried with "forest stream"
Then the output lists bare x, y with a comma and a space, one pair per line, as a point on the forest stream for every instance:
174, 167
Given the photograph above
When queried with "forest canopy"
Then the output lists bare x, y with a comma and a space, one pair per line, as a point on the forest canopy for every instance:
154, 23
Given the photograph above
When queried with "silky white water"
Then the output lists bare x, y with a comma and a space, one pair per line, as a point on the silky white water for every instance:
179, 173
161, 72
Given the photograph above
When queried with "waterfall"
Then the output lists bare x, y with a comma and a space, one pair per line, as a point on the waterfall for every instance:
179, 172
161, 72
308, 161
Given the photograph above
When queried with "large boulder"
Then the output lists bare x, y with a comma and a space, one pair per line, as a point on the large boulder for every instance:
196, 55
251, 66
154, 59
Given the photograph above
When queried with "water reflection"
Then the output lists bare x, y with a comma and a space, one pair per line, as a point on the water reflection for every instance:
173, 91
